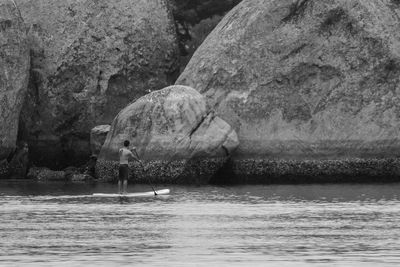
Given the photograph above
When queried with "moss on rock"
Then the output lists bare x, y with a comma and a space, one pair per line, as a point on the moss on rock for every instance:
267, 171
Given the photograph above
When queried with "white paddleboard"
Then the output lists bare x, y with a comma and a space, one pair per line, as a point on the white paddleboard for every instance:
139, 194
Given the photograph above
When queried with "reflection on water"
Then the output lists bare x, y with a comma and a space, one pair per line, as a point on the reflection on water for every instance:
300, 225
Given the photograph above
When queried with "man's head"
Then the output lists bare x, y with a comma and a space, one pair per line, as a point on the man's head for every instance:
126, 143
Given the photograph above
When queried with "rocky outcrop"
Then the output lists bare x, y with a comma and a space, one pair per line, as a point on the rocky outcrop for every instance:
75, 175
176, 136
194, 20
89, 60
69, 174
4, 169
300, 171
97, 137
305, 79
45, 174
14, 73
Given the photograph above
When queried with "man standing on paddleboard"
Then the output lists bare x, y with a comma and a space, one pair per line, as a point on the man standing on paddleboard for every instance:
124, 155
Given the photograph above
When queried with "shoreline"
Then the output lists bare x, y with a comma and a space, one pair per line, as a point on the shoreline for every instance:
246, 171
270, 171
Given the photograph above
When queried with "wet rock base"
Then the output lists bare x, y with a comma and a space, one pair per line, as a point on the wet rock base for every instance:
243, 171
267, 171
4, 169
194, 171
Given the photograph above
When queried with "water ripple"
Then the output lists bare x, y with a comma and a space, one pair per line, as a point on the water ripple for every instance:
199, 226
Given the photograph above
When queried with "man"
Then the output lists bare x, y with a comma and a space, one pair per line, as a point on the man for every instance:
124, 155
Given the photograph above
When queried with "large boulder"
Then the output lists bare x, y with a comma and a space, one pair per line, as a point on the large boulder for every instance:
176, 136
305, 79
14, 74
89, 60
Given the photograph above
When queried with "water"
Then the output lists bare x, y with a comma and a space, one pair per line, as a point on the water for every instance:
287, 225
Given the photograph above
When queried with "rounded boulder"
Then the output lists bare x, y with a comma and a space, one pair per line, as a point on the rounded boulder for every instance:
305, 79
177, 137
97, 137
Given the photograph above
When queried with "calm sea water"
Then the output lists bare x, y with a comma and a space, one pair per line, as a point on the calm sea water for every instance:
286, 225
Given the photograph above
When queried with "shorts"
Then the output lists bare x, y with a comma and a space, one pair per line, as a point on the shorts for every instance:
123, 172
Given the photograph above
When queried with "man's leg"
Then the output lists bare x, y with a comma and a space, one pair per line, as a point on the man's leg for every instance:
125, 186
120, 176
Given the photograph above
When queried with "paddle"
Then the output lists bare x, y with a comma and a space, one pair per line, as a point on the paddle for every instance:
148, 179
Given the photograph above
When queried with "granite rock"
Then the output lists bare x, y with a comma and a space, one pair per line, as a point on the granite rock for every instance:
174, 134
305, 79
45, 174
97, 137
4, 169
89, 60
14, 74
275, 171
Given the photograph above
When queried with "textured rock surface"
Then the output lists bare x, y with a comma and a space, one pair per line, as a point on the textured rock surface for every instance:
73, 174
45, 174
89, 60
97, 137
298, 79
4, 169
275, 171
174, 133
194, 20
14, 73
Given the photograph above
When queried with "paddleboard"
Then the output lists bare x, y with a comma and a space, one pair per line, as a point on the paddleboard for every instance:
139, 194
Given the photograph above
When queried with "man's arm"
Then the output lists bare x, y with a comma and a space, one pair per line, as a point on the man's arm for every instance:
134, 155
